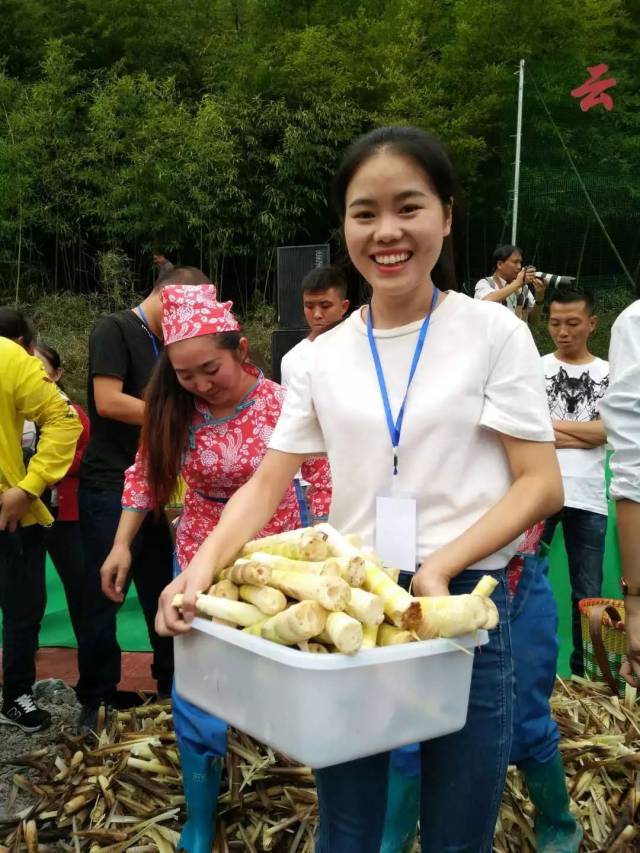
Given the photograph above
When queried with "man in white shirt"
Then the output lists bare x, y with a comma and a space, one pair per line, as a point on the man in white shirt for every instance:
511, 283
324, 297
621, 416
576, 382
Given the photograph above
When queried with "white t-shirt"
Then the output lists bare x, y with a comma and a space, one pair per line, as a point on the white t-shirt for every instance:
620, 408
574, 392
479, 374
292, 360
488, 285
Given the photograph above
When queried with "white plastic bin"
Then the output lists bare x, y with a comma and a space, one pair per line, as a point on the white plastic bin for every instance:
326, 709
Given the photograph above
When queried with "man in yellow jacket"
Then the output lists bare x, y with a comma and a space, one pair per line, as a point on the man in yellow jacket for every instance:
27, 393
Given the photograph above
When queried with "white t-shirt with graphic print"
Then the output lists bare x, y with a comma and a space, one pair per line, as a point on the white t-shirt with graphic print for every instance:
479, 375
574, 392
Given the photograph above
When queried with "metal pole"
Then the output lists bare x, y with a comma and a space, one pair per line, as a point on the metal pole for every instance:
516, 175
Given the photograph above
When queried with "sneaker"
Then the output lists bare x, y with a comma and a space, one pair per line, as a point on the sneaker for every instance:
25, 714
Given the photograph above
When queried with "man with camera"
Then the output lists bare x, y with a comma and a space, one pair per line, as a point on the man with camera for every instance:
519, 288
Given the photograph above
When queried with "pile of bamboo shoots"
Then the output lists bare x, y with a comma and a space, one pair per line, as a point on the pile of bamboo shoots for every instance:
317, 589
600, 746
121, 793
124, 793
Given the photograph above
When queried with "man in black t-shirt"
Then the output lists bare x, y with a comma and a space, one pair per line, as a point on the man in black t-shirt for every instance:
123, 350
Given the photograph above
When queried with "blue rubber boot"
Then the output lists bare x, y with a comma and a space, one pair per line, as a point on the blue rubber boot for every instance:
557, 830
403, 800
201, 780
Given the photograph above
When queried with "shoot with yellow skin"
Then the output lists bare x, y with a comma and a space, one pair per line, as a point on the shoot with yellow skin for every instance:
285, 564
308, 543
316, 588
236, 612
389, 635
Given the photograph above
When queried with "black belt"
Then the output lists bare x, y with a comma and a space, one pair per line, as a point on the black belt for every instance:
212, 498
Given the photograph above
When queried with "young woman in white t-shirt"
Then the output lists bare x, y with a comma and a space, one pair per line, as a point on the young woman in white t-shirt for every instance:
475, 451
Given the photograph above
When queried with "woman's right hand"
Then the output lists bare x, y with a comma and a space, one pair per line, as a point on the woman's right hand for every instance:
114, 571
197, 577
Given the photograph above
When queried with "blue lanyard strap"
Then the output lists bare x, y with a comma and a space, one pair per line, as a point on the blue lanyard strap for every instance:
154, 341
395, 428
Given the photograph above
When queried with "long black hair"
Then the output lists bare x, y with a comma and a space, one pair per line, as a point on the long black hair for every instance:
167, 415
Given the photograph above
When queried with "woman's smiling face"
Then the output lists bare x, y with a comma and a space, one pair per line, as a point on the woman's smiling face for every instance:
395, 223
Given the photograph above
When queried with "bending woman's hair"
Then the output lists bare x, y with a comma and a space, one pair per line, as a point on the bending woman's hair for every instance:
167, 415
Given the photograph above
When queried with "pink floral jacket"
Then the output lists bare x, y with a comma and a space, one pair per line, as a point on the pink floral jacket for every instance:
221, 455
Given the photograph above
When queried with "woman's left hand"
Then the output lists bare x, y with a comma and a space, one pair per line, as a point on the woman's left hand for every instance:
429, 580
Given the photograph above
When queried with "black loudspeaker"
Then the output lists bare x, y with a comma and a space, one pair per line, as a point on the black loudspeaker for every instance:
282, 340
294, 262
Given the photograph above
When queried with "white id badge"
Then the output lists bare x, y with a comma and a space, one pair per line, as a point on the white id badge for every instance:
396, 532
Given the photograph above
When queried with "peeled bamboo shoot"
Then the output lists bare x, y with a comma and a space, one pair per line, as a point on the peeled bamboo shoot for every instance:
222, 608
285, 564
401, 608
298, 623
331, 592
342, 631
350, 569
366, 607
246, 571
485, 586
451, 615
267, 599
224, 589
308, 543
369, 636
388, 635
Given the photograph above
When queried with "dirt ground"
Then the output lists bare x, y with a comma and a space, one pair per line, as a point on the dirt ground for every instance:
60, 700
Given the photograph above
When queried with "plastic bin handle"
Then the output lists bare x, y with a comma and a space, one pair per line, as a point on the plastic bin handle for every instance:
595, 630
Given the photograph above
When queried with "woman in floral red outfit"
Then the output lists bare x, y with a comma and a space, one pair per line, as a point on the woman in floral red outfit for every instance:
209, 417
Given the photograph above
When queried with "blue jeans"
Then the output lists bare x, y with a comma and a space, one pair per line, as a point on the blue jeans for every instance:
151, 571
534, 636
584, 535
463, 774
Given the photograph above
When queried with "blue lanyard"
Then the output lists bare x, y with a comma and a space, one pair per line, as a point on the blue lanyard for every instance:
154, 342
395, 428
